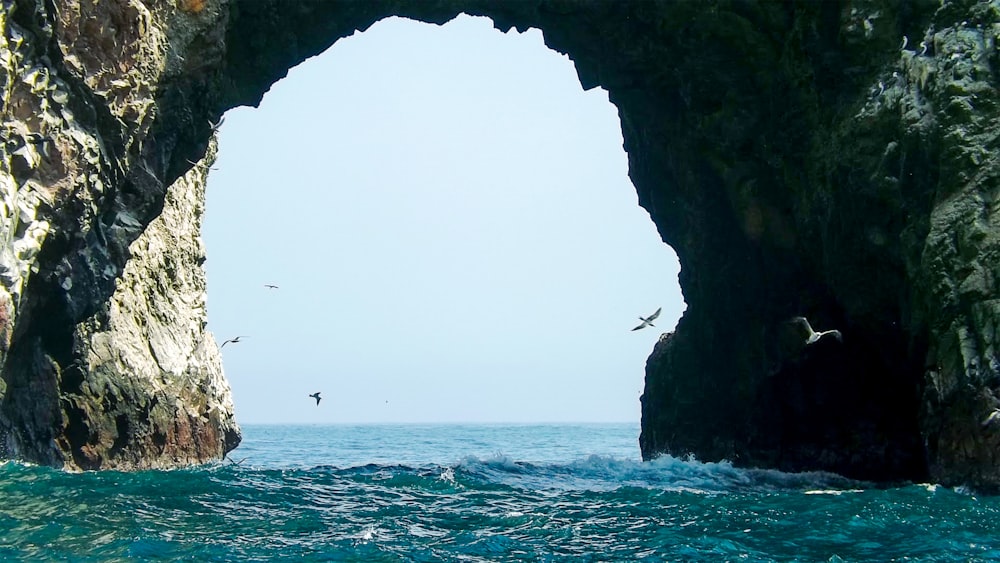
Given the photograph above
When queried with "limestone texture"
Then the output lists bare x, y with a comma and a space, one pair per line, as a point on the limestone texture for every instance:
831, 160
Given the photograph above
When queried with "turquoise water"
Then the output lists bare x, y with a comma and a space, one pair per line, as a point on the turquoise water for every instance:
478, 493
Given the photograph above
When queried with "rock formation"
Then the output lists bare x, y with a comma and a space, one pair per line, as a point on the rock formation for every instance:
832, 160
105, 361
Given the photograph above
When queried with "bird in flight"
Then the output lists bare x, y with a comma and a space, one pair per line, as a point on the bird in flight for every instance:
193, 163
233, 340
648, 321
316, 396
270, 286
811, 335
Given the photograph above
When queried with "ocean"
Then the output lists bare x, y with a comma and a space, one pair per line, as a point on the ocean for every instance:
478, 493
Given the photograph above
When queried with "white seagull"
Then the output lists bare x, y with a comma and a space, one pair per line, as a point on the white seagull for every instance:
648, 321
811, 335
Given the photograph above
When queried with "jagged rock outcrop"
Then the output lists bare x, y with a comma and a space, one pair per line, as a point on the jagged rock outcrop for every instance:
876, 215
833, 160
105, 362
152, 390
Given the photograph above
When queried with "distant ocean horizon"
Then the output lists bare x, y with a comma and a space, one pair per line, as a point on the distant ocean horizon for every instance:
478, 492
417, 444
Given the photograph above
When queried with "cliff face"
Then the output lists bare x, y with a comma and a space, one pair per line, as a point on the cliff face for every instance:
152, 392
105, 362
858, 192
829, 160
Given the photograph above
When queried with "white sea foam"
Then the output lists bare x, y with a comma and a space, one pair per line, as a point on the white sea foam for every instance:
688, 475
368, 534
496, 461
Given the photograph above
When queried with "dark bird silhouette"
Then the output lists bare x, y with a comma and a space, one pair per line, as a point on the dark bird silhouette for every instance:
648, 321
316, 396
233, 340
41, 141
269, 286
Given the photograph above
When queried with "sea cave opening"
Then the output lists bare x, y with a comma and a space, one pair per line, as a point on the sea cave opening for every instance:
449, 222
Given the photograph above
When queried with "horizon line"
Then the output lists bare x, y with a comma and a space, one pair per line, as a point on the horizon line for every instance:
438, 423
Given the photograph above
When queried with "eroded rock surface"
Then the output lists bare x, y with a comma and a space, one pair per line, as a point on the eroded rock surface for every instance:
832, 160
105, 359
152, 391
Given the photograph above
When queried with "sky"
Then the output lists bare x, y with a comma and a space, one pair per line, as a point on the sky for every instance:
450, 224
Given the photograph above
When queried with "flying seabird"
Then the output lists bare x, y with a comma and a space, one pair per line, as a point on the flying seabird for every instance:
811, 335
316, 396
233, 340
41, 141
215, 126
270, 286
648, 321
199, 164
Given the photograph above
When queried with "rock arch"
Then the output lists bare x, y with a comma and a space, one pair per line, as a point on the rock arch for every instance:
802, 160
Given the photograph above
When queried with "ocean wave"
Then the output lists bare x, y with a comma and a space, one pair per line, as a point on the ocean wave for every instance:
598, 472
590, 473
491, 508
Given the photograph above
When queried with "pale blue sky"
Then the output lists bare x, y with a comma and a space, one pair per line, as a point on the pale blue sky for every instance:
451, 224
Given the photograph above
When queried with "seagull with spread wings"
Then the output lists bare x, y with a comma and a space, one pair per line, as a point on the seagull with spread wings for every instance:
811, 336
648, 321
233, 340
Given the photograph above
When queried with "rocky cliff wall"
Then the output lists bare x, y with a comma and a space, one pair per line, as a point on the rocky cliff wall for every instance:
152, 391
832, 160
105, 362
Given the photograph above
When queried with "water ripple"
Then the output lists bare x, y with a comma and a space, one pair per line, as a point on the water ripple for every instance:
491, 508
